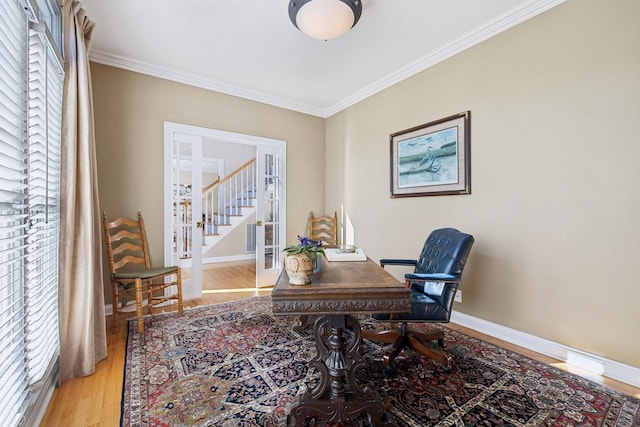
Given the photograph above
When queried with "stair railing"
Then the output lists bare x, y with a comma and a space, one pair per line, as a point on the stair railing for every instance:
225, 198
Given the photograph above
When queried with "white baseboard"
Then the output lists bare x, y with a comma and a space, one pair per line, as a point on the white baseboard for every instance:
186, 262
609, 368
229, 258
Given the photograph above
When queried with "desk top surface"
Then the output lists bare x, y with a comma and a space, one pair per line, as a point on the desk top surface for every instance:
342, 288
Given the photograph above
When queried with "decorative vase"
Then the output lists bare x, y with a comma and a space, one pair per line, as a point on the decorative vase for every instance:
299, 267
317, 264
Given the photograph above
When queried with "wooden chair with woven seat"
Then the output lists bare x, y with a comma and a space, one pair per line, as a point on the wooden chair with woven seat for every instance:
324, 228
132, 277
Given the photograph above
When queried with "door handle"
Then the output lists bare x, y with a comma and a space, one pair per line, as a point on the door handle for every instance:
200, 224
259, 224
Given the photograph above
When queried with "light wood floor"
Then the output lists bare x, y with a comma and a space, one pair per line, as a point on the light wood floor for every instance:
95, 400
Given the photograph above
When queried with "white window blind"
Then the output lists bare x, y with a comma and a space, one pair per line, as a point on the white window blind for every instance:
30, 132
13, 209
44, 130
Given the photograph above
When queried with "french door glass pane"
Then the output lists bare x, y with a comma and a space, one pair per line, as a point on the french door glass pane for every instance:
182, 200
271, 209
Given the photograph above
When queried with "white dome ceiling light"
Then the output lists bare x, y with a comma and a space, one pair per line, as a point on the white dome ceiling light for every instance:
325, 19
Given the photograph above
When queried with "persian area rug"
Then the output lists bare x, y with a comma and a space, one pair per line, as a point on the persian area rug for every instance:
236, 364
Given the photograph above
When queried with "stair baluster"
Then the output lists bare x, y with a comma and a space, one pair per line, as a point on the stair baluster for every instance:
223, 199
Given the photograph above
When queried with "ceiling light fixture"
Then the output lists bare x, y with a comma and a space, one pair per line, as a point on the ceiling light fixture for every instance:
324, 19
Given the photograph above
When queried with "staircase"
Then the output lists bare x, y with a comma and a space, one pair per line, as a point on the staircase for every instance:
226, 204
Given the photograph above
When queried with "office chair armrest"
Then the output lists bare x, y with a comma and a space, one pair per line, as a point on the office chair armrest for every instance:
432, 277
409, 262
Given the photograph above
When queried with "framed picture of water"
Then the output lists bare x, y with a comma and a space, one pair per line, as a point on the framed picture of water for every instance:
432, 159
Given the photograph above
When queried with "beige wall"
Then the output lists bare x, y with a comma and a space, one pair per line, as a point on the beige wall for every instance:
554, 152
235, 155
130, 110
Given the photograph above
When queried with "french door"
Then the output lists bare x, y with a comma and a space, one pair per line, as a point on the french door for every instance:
183, 201
183, 208
270, 215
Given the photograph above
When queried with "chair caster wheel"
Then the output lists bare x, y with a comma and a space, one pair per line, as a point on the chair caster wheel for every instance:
447, 369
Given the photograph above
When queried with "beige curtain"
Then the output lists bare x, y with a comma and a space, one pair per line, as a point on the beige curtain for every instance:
83, 340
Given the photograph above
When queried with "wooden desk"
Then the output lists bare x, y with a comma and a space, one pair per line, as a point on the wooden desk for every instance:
341, 290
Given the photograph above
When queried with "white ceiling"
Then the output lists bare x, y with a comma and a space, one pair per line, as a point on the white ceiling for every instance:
250, 48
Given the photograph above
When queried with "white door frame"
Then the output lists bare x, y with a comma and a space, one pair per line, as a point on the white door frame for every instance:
187, 132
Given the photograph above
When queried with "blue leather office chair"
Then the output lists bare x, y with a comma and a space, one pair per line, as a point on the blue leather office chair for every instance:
433, 284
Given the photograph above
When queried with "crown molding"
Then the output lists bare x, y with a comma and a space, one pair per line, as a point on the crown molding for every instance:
477, 35
197, 81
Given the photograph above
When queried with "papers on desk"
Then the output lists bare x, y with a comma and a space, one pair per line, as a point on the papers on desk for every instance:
333, 254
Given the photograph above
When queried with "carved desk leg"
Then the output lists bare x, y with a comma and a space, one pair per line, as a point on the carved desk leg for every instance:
337, 398
304, 322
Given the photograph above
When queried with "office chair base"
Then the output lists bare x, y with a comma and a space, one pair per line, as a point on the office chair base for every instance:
406, 338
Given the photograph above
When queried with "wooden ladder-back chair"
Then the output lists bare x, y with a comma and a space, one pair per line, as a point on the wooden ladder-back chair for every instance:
324, 228
132, 277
